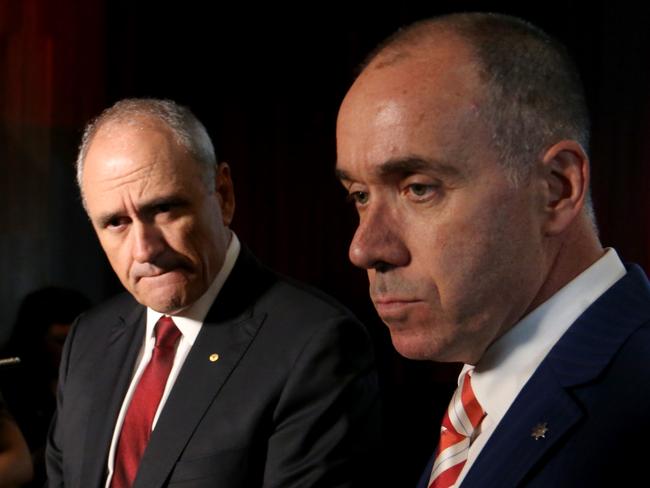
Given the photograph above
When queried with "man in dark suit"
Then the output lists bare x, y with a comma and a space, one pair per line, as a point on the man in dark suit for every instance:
463, 145
212, 370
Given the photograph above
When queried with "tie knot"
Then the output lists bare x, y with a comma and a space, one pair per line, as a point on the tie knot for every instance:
166, 332
465, 412
459, 427
475, 412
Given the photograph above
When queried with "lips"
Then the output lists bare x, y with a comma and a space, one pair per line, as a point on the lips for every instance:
394, 306
157, 275
163, 276
149, 270
152, 274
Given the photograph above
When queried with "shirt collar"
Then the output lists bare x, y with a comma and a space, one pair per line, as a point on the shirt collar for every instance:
513, 358
190, 320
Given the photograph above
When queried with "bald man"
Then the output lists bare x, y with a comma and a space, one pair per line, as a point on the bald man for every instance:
211, 370
463, 144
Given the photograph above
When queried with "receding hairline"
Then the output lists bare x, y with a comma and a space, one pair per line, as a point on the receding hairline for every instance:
132, 126
407, 43
518, 65
170, 118
136, 122
465, 27
431, 41
137, 117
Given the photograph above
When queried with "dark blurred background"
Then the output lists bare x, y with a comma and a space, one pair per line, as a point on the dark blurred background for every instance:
267, 82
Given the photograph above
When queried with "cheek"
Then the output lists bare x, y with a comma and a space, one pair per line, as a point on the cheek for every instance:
121, 262
456, 257
496, 257
196, 242
180, 237
465, 252
447, 244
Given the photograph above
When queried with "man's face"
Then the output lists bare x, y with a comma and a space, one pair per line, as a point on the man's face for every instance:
162, 229
453, 249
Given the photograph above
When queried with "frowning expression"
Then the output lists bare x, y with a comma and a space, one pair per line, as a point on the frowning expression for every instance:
452, 247
164, 230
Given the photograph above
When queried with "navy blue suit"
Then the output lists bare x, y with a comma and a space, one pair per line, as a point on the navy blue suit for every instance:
593, 393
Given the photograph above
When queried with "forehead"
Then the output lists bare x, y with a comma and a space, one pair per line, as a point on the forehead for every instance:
427, 99
121, 153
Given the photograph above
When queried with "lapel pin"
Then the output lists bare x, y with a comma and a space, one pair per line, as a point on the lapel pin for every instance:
214, 357
539, 431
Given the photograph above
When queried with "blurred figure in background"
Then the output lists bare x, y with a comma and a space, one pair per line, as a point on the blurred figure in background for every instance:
42, 324
15, 461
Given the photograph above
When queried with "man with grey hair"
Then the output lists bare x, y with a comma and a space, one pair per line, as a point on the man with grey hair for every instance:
211, 370
462, 144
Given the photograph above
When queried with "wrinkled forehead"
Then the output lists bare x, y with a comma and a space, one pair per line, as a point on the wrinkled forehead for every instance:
129, 150
127, 130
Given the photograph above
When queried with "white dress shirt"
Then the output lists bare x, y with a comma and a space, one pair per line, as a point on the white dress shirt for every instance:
511, 360
189, 321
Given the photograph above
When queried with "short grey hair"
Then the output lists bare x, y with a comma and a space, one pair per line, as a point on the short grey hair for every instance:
533, 88
187, 130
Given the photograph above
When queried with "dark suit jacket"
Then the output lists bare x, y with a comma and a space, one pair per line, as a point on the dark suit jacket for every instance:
592, 392
291, 401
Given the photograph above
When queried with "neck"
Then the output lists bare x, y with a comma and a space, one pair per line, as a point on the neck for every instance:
570, 254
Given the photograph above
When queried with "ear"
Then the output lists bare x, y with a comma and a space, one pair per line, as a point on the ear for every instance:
565, 168
225, 192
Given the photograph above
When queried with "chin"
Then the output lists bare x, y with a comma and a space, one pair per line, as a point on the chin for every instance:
423, 347
167, 305
413, 347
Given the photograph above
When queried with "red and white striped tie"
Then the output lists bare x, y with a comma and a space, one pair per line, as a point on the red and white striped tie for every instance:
459, 424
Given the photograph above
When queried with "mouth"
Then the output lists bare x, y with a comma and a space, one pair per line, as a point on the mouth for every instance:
160, 274
162, 277
394, 307
149, 271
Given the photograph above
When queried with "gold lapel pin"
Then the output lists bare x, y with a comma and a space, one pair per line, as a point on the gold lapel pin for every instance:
539, 431
214, 357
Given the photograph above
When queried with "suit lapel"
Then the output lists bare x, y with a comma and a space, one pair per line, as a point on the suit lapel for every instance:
114, 368
545, 404
540, 416
227, 331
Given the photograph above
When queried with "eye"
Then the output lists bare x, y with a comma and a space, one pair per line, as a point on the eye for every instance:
116, 223
164, 208
168, 208
358, 197
420, 192
165, 211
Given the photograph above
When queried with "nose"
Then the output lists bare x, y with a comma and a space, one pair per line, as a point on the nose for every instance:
148, 242
377, 243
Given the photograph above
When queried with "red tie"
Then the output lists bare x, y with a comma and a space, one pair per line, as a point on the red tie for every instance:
459, 424
136, 428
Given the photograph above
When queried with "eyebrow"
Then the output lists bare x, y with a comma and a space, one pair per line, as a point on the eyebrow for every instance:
104, 219
406, 166
146, 208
